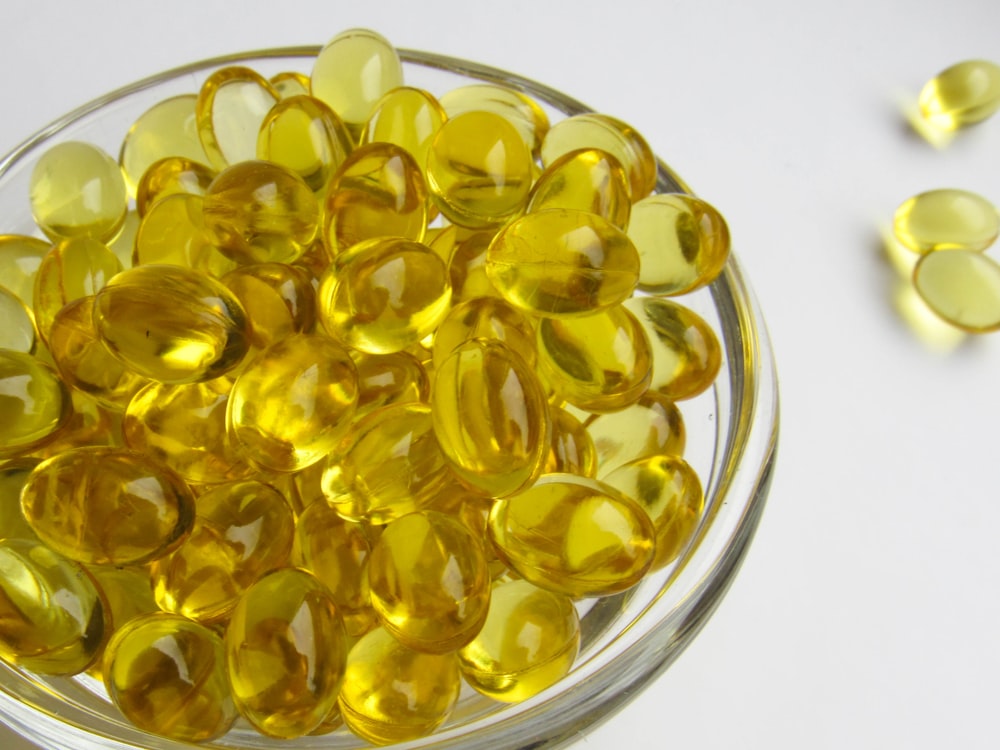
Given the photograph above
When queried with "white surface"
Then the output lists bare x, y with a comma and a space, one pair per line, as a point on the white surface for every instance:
866, 613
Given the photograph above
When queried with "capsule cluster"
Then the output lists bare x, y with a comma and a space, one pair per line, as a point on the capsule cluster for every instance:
331, 394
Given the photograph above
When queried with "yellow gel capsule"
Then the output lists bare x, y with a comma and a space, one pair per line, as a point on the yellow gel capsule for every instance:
519, 109
183, 426
429, 582
586, 180
384, 295
408, 118
962, 287
13, 474
34, 403
290, 406
485, 318
963, 94
490, 417
230, 109
528, 643
167, 675
171, 176
20, 259
77, 190
571, 450
107, 506
285, 652
17, 324
946, 219
279, 300
686, 352
88, 424
123, 246
653, 425
167, 129
306, 136
669, 490
682, 240
479, 171
378, 191
392, 693
598, 363
53, 616
574, 535
467, 267
613, 136
172, 324
389, 465
84, 363
128, 594
259, 212
352, 72
385, 379
72, 269
290, 83
173, 233
242, 531
562, 262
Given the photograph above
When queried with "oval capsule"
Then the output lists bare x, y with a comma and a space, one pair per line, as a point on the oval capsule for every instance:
653, 425
168, 129
107, 506
20, 259
485, 318
407, 117
946, 219
571, 450
574, 535
588, 180
516, 107
171, 176
290, 83
385, 379
35, 404
17, 324
562, 262
962, 287
962, 94
467, 267
13, 474
279, 300
173, 233
285, 653
231, 106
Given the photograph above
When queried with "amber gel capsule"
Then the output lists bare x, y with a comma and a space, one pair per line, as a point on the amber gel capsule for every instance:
571, 450
279, 300
587, 180
963, 94
167, 675
13, 474
946, 219
385, 379
487, 318
285, 652
34, 403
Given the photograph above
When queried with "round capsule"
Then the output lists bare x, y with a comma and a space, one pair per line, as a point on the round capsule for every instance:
962, 287
107, 506
171, 176
490, 417
77, 190
393, 693
385, 379
574, 535
562, 262
571, 449
285, 653
20, 259
231, 106
406, 117
384, 295
34, 405
653, 425
279, 300
167, 675
946, 219
17, 324
517, 108
479, 171
963, 94
485, 318
586, 180
429, 582
53, 617
173, 233
290, 406
528, 643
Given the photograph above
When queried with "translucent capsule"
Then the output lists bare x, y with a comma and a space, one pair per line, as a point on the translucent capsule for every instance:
682, 240
608, 134
385, 379
384, 295
686, 352
183, 426
53, 616
167, 675
406, 117
490, 417
172, 324
598, 363
123, 245
378, 191
167, 129
485, 318
259, 212
528, 643
669, 490
77, 190
285, 652
173, 233
653, 425
961, 286
946, 219
84, 363
479, 171
107, 506
571, 449
17, 324
72, 269
467, 267
230, 109
562, 262
171, 176
519, 109
242, 531
586, 180
352, 72
306, 136
392, 693
574, 536
290, 406
290, 83
88, 424
34, 404
13, 474
963, 94
279, 300
20, 259
128, 593
429, 582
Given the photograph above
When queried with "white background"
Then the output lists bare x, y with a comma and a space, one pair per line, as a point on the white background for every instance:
867, 612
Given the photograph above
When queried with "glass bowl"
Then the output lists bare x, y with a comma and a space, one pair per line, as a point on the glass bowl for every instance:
627, 639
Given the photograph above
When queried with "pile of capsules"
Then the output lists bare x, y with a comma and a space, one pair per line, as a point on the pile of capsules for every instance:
949, 229
329, 394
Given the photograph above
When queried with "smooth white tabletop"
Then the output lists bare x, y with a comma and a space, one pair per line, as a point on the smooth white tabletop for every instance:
866, 614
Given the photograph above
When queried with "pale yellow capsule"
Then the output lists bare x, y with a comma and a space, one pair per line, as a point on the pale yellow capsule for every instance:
946, 219
173, 233
406, 117
961, 286
35, 403
123, 245
230, 109
20, 258
963, 94
653, 425
17, 324
290, 83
